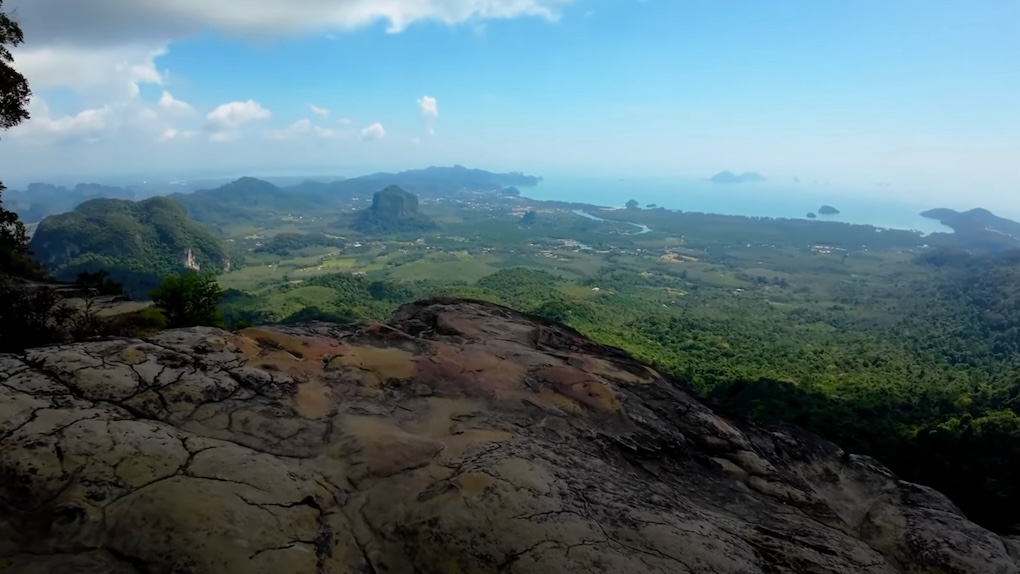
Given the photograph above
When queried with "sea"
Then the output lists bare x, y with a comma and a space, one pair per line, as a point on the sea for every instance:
761, 199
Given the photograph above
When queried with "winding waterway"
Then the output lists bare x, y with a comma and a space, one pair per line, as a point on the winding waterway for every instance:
643, 228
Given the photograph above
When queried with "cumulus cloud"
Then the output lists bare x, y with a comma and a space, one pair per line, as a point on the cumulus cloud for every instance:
373, 132
233, 115
117, 22
429, 112
105, 72
168, 102
318, 111
303, 128
170, 134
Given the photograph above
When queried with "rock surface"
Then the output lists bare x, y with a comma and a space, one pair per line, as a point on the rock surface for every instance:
460, 438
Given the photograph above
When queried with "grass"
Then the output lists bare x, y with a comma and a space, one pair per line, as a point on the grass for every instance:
440, 267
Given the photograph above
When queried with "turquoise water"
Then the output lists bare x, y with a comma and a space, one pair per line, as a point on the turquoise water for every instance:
752, 199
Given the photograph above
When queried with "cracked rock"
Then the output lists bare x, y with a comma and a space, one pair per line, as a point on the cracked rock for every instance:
462, 437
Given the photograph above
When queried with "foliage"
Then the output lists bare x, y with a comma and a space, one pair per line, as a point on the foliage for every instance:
14, 96
287, 244
393, 210
135, 243
31, 317
189, 299
100, 281
14, 91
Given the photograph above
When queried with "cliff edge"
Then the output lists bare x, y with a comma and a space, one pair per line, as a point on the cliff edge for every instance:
461, 437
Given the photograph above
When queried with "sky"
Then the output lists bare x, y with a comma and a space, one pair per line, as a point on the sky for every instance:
920, 96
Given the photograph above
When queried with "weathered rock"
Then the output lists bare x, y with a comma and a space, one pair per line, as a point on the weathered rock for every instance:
461, 438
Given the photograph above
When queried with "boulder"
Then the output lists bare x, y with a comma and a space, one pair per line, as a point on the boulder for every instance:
461, 437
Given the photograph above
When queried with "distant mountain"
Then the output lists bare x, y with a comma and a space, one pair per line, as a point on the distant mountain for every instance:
393, 210
827, 210
978, 228
246, 199
39, 200
250, 198
138, 243
730, 177
437, 181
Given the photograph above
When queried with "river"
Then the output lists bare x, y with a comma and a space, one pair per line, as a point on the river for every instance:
643, 228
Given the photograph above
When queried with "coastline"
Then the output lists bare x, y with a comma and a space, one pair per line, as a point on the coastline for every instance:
744, 200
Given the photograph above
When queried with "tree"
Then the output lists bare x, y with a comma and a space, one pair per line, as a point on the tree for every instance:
14, 95
189, 300
529, 217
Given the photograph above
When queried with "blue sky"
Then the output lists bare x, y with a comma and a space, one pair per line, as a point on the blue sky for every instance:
923, 95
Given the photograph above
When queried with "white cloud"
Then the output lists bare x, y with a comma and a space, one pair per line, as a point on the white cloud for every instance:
429, 112
118, 22
168, 102
90, 122
303, 128
107, 72
107, 52
373, 132
233, 115
224, 136
175, 134
294, 130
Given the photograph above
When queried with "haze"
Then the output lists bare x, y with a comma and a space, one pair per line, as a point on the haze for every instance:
920, 95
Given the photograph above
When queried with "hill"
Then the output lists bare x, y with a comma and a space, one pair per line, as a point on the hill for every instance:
393, 210
459, 437
136, 242
441, 180
252, 199
978, 228
244, 200
730, 177
40, 200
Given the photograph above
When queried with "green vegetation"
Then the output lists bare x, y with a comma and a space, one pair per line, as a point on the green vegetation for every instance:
393, 210
867, 337
136, 243
189, 300
14, 96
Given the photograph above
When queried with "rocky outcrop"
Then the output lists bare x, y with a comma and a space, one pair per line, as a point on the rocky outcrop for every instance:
460, 438
393, 210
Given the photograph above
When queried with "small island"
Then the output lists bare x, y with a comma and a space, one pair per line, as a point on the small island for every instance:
730, 177
812, 215
827, 210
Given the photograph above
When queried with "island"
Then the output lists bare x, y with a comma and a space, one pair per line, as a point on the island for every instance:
827, 210
730, 177
812, 215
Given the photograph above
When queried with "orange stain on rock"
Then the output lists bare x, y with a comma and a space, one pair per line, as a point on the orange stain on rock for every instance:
643, 376
385, 363
582, 387
313, 400
474, 374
